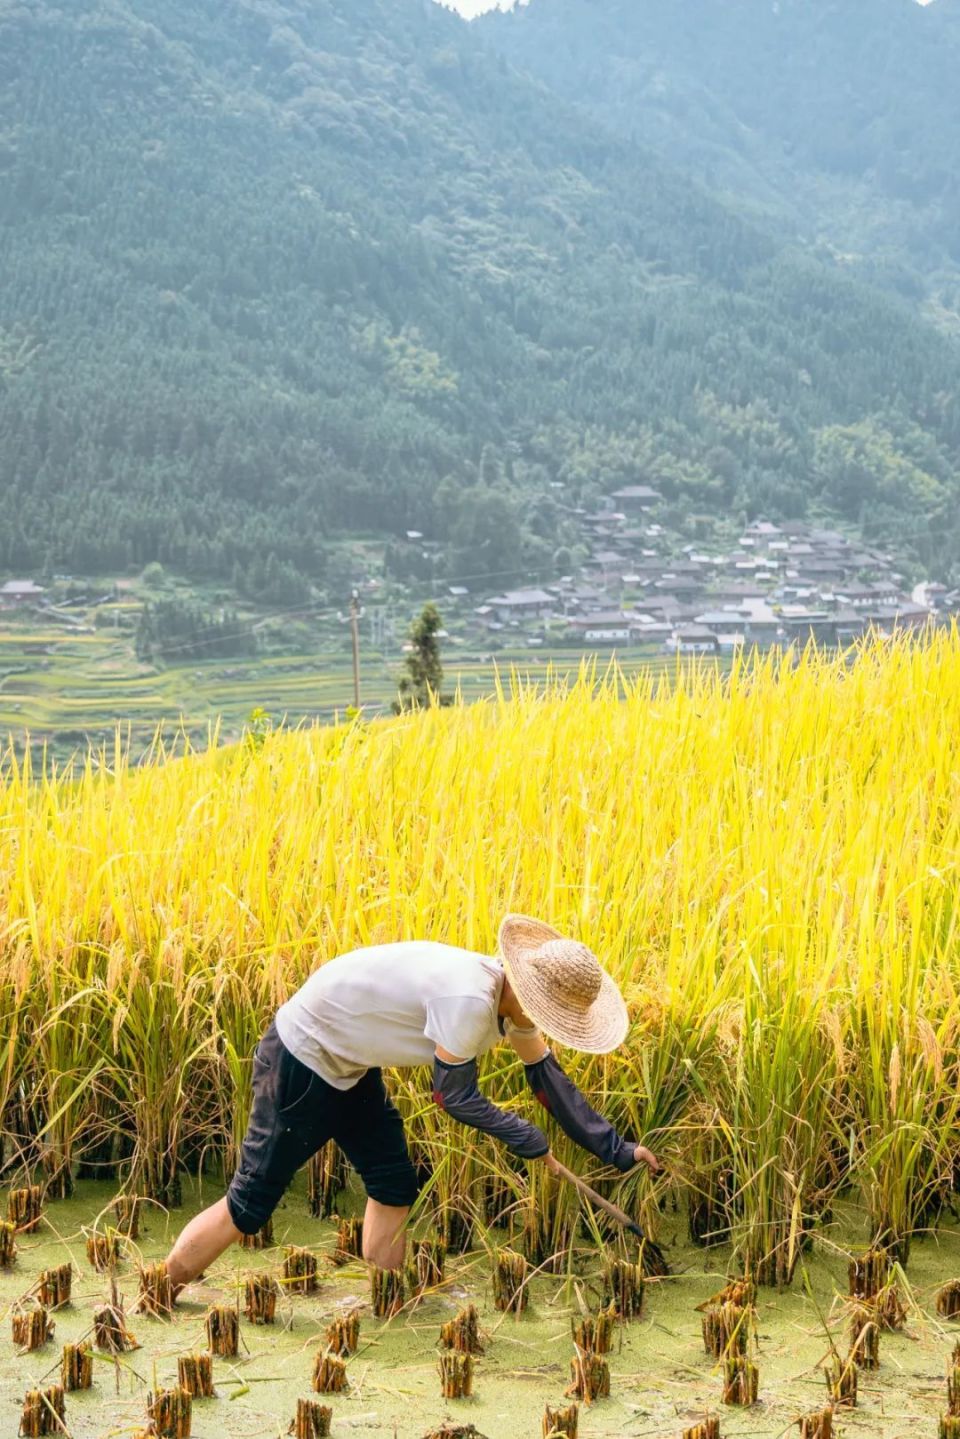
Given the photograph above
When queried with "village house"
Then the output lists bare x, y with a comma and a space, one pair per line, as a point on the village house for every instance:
521, 605
20, 592
693, 639
635, 499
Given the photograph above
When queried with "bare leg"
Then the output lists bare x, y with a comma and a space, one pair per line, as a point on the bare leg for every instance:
204, 1240
384, 1240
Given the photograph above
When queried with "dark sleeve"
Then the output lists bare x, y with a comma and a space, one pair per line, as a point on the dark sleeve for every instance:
456, 1091
561, 1098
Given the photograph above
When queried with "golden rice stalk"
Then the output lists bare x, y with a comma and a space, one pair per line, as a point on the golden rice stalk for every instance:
741, 1380
260, 1304
329, 1373
561, 1423
425, 1266
510, 1288
195, 1375
343, 1335
312, 1420
170, 1413
25, 1208
349, 1240
595, 1332
818, 1425
54, 1286
326, 1177
76, 1367
841, 1376
300, 1270
456, 1374
44, 1412
589, 1377
707, 1428
103, 1250
623, 1288
126, 1208
865, 1336
31, 1328
262, 1239
953, 1390
462, 1332
386, 1292
8, 1243
155, 1294
223, 1330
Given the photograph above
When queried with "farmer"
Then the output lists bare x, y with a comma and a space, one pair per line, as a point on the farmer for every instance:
316, 1073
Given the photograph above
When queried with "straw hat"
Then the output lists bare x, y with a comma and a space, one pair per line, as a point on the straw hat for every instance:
562, 986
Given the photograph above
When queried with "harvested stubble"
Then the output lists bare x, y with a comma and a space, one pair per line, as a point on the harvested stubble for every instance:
312, 1420
623, 1288
329, 1373
126, 1208
454, 1431
948, 1300
818, 1425
155, 1295
110, 1332
31, 1328
260, 1304
44, 1412
326, 1176
841, 1376
953, 1390
889, 1307
741, 1380
708, 1428
299, 1270
195, 1375
25, 1208
589, 1377
595, 1331
223, 1330
462, 1332
510, 1281
103, 1250
54, 1286
343, 1335
728, 1329
349, 1240
386, 1292
262, 1239
561, 1423
456, 1374
426, 1266
76, 1366
865, 1337
170, 1413
949, 1427
8, 1243
868, 1273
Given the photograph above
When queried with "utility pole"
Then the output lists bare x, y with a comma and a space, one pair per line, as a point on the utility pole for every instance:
353, 619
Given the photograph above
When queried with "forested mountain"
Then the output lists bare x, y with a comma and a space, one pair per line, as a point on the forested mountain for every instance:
840, 117
284, 267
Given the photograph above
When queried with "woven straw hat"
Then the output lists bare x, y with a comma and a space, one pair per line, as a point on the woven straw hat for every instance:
562, 986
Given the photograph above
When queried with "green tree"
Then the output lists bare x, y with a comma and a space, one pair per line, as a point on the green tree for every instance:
421, 685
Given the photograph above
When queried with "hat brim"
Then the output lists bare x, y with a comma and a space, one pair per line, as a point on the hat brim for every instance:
600, 1028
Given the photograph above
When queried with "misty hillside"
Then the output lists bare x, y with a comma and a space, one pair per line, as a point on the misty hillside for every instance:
280, 269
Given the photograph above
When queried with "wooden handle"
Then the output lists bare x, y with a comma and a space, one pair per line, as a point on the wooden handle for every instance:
598, 1199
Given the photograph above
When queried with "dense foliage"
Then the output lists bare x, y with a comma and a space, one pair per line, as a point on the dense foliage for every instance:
275, 271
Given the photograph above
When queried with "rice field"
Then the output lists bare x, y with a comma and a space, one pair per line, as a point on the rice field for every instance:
767, 862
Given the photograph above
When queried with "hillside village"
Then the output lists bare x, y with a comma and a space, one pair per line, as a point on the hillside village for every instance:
780, 583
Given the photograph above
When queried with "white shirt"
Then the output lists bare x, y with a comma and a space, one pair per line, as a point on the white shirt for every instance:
392, 1005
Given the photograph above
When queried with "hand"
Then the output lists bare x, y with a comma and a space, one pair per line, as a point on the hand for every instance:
644, 1156
547, 1160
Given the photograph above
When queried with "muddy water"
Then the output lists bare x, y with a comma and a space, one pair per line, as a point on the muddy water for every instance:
661, 1379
